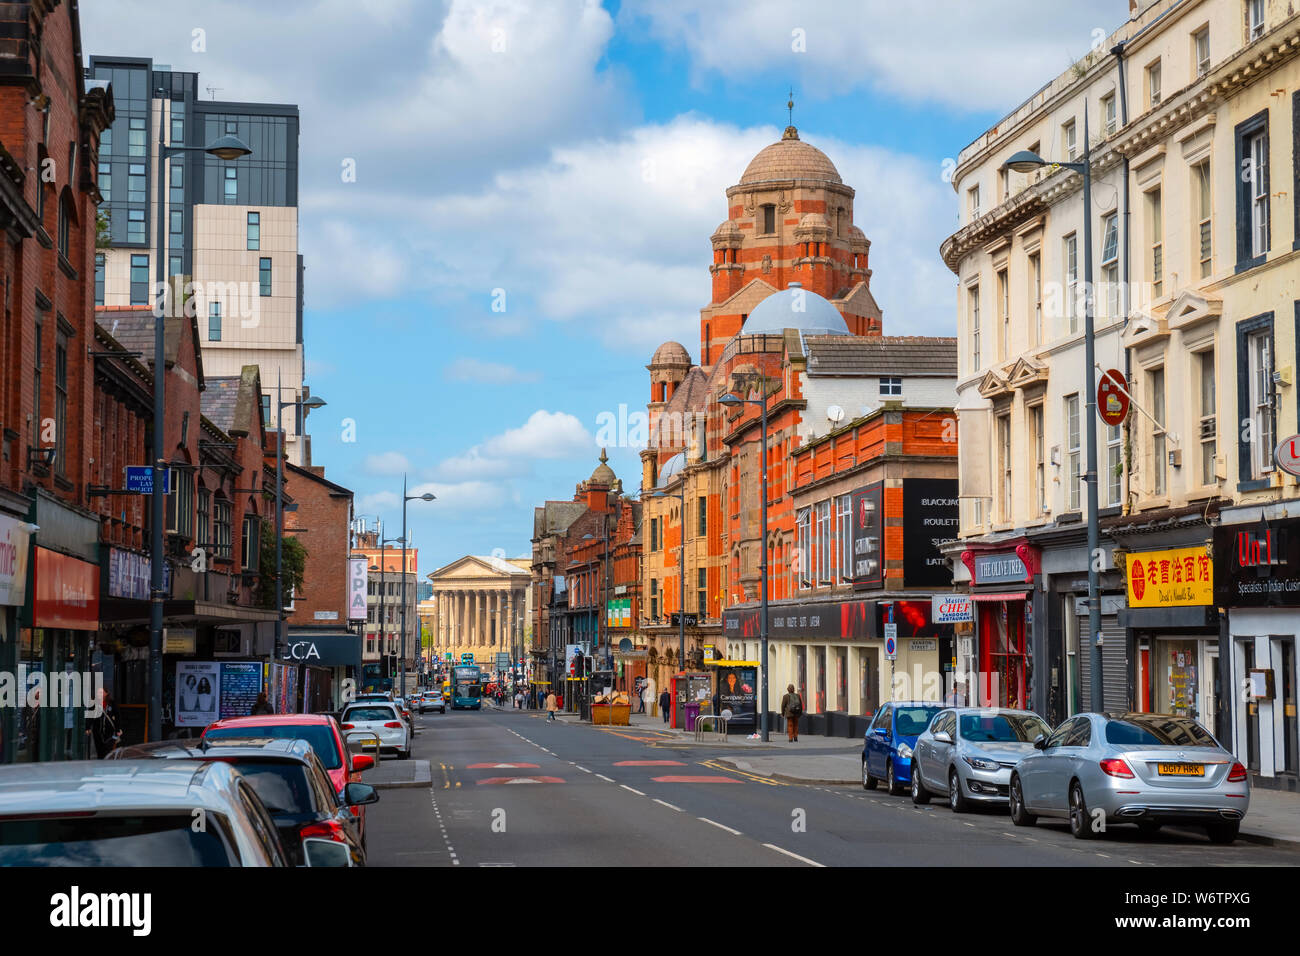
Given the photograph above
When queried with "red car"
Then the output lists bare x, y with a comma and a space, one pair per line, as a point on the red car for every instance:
320, 730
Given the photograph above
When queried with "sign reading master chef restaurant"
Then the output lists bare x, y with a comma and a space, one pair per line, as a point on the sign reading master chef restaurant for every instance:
951, 609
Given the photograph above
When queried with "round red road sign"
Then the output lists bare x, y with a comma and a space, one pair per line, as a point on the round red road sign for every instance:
1112, 398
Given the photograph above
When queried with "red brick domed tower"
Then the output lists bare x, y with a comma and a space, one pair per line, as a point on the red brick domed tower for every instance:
789, 219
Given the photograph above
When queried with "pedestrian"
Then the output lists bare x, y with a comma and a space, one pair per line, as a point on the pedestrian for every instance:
551, 706
519, 700
792, 710
104, 730
263, 706
646, 692
665, 703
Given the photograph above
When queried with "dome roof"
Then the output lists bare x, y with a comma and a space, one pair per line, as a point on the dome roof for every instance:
603, 475
671, 470
671, 353
795, 308
790, 158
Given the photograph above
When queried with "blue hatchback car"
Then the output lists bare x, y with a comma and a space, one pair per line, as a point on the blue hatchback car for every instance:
887, 748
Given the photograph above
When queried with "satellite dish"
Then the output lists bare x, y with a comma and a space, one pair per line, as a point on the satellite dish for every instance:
835, 414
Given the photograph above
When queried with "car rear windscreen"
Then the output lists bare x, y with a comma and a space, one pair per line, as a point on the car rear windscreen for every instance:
283, 787
369, 713
168, 840
1157, 730
320, 736
912, 721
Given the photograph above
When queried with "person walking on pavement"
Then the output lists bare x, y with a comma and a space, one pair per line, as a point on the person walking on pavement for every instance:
519, 700
551, 706
792, 710
104, 730
665, 703
263, 706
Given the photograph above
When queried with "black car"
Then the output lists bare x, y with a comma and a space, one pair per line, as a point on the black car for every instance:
289, 779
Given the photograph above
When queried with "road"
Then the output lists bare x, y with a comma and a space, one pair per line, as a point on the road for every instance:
510, 789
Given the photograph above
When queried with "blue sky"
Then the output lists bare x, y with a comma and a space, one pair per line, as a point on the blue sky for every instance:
535, 188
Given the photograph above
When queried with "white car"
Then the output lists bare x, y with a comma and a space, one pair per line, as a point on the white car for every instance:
383, 720
432, 700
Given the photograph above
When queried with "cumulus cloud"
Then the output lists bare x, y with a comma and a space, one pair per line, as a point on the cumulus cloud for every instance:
377, 502
474, 464
544, 435
951, 52
487, 373
386, 463
463, 496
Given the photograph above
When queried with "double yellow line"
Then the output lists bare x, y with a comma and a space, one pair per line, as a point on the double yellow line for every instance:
446, 777
714, 765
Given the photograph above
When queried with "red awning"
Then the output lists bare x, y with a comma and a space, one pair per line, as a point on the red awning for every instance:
1004, 596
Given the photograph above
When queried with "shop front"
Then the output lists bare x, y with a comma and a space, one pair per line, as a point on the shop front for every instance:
326, 657
1257, 579
998, 668
15, 547
1173, 634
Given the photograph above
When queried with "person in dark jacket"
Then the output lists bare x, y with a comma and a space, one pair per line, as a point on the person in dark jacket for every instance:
666, 704
105, 731
791, 710
263, 706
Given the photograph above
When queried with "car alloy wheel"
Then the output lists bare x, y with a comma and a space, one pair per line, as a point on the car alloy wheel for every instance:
868, 781
1020, 816
956, 799
1080, 821
892, 784
920, 795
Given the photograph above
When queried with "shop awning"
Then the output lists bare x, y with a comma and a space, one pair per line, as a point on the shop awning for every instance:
1001, 596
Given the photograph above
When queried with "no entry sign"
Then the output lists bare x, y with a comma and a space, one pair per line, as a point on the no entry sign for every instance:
1112, 398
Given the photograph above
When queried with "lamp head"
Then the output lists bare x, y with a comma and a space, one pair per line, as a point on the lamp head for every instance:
1024, 162
314, 402
730, 400
228, 147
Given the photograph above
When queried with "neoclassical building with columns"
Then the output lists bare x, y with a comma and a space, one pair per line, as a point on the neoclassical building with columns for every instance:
480, 607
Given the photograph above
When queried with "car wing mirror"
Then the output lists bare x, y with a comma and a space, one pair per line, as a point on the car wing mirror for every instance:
360, 794
319, 852
362, 762
943, 737
1040, 742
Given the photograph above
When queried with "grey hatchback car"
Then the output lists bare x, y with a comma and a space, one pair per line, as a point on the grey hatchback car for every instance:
1148, 769
967, 754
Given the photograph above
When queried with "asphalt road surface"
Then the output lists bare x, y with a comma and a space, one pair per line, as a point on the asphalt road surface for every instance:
510, 789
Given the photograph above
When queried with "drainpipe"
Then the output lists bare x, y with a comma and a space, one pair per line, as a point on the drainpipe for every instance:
1118, 52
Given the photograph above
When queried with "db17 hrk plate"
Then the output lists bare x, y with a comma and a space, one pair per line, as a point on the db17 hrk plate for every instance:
1181, 769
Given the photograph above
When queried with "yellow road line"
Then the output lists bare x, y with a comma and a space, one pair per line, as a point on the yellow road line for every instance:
714, 765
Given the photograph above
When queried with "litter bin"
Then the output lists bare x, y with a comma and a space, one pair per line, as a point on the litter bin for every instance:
692, 713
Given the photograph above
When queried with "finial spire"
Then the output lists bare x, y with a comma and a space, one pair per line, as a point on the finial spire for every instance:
790, 131
603, 457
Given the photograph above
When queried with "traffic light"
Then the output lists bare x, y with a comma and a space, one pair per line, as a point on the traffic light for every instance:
586, 663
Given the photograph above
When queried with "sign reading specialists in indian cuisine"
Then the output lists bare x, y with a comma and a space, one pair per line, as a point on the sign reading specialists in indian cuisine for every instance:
1258, 565
1178, 577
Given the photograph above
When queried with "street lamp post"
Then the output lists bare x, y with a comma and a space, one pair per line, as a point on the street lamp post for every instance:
734, 401
225, 148
602, 612
280, 406
405, 499
383, 545
1024, 162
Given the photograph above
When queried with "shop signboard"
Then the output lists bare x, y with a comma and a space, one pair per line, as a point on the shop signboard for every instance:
357, 588
1258, 564
829, 619
952, 609
1173, 577
14, 537
1000, 568
930, 519
67, 592
868, 536
1287, 455
241, 682
737, 693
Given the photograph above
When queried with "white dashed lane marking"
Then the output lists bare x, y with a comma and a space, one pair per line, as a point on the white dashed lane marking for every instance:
720, 826
796, 856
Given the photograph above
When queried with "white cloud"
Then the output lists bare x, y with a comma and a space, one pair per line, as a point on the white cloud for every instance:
544, 435
377, 502
386, 463
487, 373
986, 55
474, 465
463, 496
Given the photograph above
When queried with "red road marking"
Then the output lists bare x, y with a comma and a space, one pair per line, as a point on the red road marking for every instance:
700, 779
522, 780
501, 766
649, 763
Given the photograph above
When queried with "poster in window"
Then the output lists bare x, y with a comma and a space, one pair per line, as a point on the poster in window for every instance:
868, 536
198, 692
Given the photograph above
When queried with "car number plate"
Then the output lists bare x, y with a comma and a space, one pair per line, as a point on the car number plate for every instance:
1181, 769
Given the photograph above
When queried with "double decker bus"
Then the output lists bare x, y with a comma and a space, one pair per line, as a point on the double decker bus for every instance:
466, 687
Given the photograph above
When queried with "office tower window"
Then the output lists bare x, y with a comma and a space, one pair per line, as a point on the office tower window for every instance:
177, 181
135, 225
135, 138
214, 322
264, 276
175, 265
99, 278
106, 180
139, 280
232, 127
106, 141
178, 222
135, 183
254, 230
231, 183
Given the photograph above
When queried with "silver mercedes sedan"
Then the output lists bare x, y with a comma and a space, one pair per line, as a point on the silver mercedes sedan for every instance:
1149, 769
967, 754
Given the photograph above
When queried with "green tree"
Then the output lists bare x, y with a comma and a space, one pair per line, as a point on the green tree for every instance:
102, 240
293, 562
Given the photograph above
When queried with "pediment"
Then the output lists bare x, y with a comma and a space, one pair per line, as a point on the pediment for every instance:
1026, 374
469, 567
992, 385
1143, 329
1191, 308
744, 299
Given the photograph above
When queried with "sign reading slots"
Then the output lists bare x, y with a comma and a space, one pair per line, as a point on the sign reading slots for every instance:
1179, 577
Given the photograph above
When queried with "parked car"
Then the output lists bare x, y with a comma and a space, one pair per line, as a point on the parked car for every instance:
433, 700
320, 730
1149, 769
887, 748
384, 721
404, 707
968, 753
133, 813
292, 783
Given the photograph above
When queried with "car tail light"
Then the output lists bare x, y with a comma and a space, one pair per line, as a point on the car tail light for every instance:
393, 723
328, 830
349, 727
1116, 767
1237, 774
